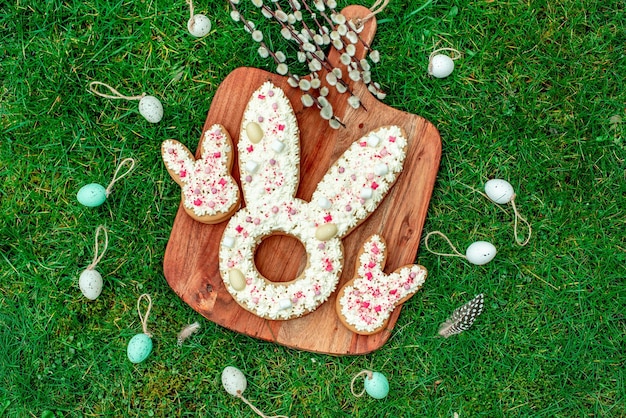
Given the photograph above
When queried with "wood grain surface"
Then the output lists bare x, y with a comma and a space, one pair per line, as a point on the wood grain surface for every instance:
191, 257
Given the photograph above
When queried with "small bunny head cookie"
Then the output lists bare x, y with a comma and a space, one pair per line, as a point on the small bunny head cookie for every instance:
269, 158
209, 193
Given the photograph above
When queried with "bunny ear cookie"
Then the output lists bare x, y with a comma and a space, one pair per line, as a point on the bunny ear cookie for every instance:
209, 193
366, 302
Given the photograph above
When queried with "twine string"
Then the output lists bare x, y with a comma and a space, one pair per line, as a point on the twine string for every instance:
456, 56
455, 253
97, 257
131, 163
144, 319
190, 3
366, 373
116, 94
521, 218
376, 8
257, 410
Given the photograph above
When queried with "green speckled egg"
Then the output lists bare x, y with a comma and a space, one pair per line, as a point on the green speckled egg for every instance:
378, 386
91, 195
139, 348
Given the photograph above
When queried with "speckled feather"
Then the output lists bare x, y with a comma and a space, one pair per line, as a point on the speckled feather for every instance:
462, 318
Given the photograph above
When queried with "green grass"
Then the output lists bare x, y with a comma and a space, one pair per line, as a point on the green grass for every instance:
530, 102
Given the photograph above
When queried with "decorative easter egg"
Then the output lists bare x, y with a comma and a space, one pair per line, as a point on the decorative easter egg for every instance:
237, 279
326, 231
440, 66
151, 108
480, 252
139, 348
90, 283
377, 386
234, 380
91, 195
500, 191
199, 25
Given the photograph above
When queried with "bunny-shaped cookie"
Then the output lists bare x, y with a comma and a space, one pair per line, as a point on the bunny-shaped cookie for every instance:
269, 157
209, 193
365, 303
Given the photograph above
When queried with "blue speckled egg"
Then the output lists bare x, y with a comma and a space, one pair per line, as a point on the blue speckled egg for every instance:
91, 195
139, 348
377, 386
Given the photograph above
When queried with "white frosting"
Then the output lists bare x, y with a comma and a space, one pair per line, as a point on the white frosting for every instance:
269, 179
207, 187
367, 303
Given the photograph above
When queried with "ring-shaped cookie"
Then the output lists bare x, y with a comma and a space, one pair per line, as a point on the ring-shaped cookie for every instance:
254, 292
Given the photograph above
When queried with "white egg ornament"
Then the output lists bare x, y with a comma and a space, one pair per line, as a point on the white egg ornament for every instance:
499, 191
151, 109
90, 284
199, 25
234, 381
440, 66
480, 252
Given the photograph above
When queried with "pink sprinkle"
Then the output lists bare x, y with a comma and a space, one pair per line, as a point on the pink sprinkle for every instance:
348, 208
217, 154
260, 119
170, 151
270, 93
239, 228
341, 170
371, 264
321, 246
183, 173
412, 275
292, 211
222, 181
213, 190
328, 218
207, 170
374, 185
392, 139
248, 178
365, 305
249, 219
353, 177
211, 204
248, 282
250, 148
275, 209
281, 127
197, 191
393, 291
262, 97
272, 161
375, 249
377, 308
256, 221
370, 176
368, 275
231, 264
255, 300
317, 292
329, 267
274, 106
384, 152
294, 300
362, 201
407, 287
197, 202
363, 143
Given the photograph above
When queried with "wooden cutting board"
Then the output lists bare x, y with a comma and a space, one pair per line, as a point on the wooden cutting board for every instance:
191, 257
